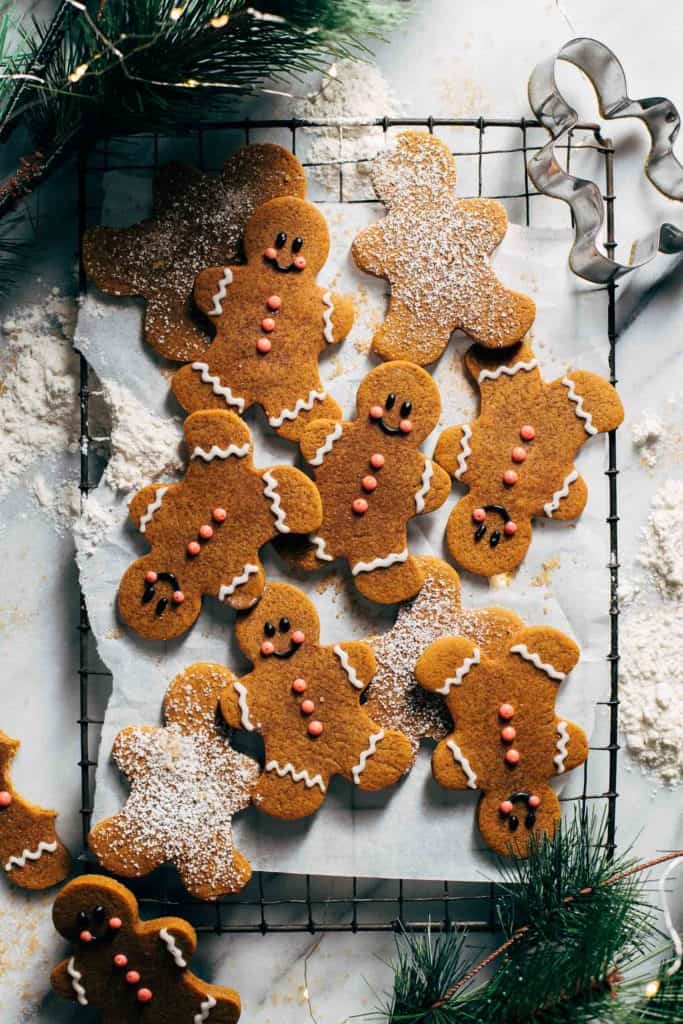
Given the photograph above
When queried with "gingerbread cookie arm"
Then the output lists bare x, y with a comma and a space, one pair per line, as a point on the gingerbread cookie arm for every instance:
434, 489
293, 500
212, 292
591, 406
453, 450
358, 662
445, 663
487, 217
171, 183
506, 318
305, 402
450, 767
571, 746
383, 757
106, 247
318, 439
177, 935
61, 980
236, 702
146, 504
369, 250
338, 317
548, 650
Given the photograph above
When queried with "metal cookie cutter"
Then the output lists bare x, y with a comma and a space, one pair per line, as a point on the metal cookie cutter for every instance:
660, 117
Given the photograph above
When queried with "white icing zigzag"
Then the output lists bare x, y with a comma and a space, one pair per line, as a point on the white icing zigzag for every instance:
509, 371
427, 475
460, 759
271, 493
544, 666
76, 976
153, 507
359, 768
218, 388
457, 679
348, 667
328, 333
173, 947
20, 862
380, 563
226, 280
206, 1007
326, 447
227, 589
320, 549
466, 451
561, 755
554, 504
288, 769
241, 692
301, 404
580, 411
221, 453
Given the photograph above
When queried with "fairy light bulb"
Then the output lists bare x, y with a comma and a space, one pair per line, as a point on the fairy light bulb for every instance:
651, 989
191, 83
78, 73
176, 13
220, 21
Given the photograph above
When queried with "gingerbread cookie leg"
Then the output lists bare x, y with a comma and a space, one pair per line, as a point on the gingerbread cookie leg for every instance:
569, 500
124, 847
387, 580
451, 768
405, 335
197, 388
214, 871
453, 450
383, 758
307, 405
289, 791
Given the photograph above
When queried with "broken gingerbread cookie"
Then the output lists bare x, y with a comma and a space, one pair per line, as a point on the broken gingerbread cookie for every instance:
205, 533
303, 698
434, 249
272, 322
508, 740
197, 222
517, 457
186, 784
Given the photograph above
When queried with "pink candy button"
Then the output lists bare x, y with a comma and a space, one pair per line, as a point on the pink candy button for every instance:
368, 483
206, 531
376, 412
299, 686
307, 707
505, 806
405, 426
121, 960
512, 756
527, 432
377, 460
508, 734
510, 477
263, 346
506, 711
193, 548
177, 597
115, 923
360, 506
315, 727
300, 263
144, 995
479, 515
274, 302
518, 454
270, 253
151, 577
267, 648
5, 798
133, 977
510, 528
534, 801
219, 515
268, 324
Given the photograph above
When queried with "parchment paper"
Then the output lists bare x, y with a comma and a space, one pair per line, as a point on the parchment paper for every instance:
415, 830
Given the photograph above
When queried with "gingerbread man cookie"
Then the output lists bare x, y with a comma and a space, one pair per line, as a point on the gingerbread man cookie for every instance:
186, 784
304, 699
434, 248
205, 533
373, 479
517, 457
508, 741
197, 221
131, 970
395, 700
272, 322
31, 852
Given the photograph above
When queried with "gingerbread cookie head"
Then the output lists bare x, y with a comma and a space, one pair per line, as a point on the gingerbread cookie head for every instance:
86, 911
281, 625
290, 235
419, 165
401, 401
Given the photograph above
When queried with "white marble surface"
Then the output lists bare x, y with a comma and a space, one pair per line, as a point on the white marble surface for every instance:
452, 59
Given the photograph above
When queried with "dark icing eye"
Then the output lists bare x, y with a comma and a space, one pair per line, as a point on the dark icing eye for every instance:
280, 240
284, 625
297, 244
269, 629
406, 409
82, 917
98, 914
390, 402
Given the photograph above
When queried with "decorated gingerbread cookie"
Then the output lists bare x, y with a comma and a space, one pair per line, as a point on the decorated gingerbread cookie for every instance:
131, 970
395, 700
373, 479
197, 221
434, 249
205, 533
304, 699
32, 853
517, 457
272, 322
508, 741
186, 784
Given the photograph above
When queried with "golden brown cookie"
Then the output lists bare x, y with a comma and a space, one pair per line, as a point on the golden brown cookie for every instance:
131, 970
31, 852
186, 784
197, 221
508, 741
304, 699
373, 479
205, 533
434, 248
272, 322
395, 700
517, 457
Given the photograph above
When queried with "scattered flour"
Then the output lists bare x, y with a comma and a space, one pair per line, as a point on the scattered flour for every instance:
661, 550
647, 434
144, 447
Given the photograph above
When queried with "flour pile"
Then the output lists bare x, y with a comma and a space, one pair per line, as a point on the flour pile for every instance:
144, 447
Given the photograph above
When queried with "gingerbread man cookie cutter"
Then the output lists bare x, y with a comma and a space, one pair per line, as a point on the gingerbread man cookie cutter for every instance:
662, 120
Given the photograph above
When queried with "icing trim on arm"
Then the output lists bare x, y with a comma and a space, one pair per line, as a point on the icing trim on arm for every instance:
328, 332
465, 453
215, 452
76, 976
241, 692
348, 667
20, 861
154, 506
205, 1007
326, 447
320, 552
460, 759
359, 768
460, 674
218, 296
300, 405
580, 411
509, 371
218, 388
427, 475
297, 776
561, 755
276, 508
380, 563
543, 666
553, 505
173, 947
227, 589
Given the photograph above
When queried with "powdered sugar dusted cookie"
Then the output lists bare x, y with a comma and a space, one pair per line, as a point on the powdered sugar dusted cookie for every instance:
131, 970
272, 322
31, 852
186, 784
197, 221
517, 457
373, 479
206, 532
395, 700
304, 699
508, 741
434, 248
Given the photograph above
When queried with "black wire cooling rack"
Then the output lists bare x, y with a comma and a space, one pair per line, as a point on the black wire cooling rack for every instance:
277, 903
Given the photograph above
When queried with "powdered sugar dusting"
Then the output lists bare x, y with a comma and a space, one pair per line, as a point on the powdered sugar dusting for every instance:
144, 447
661, 551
